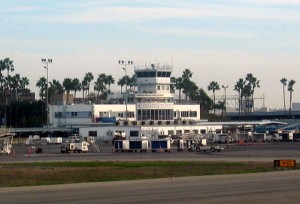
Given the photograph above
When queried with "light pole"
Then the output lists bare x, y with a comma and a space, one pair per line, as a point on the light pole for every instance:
46, 62
125, 63
225, 87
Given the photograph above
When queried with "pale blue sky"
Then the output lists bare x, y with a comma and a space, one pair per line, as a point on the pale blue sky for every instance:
220, 40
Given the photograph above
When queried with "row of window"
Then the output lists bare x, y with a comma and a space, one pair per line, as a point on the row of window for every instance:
186, 114
163, 87
130, 114
75, 114
153, 100
152, 74
144, 114
135, 133
155, 114
132, 133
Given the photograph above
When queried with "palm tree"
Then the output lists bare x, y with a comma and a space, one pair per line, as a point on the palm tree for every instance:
24, 82
246, 93
179, 85
88, 78
122, 82
284, 81
109, 80
68, 86
213, 86
76, 86
221, 105
42, 84
8, 65
99, 85
190, 88
290, 89
239, 87
127, 81
102, 78
254, 83
187, 74
15, 83
2, 68
132, 82
205, 101
55, 88
84, 85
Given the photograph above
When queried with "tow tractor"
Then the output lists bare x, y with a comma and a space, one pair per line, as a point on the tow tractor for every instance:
78, 146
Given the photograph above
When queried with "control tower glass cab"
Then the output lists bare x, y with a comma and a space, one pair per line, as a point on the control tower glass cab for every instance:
154, 100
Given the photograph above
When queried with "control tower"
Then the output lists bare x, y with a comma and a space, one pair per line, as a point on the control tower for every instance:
154, 100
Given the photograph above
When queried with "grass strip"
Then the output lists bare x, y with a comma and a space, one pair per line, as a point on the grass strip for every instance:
46, 173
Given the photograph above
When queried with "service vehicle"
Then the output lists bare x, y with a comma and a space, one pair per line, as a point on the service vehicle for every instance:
121, 145
79, 146
161, 145
138, 145
131, 145
202, 146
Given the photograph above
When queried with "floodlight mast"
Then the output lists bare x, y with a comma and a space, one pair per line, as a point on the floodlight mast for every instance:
126, 63
225, 87
47, 62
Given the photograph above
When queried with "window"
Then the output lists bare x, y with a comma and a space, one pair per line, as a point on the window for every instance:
163, 74
145, 74
193, 113
152, 74
93, 133
184, 113
58, 115
134, 133
73, 114
158, 87
130, 114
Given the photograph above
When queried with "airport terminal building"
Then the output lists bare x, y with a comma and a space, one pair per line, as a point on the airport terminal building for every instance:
150, 106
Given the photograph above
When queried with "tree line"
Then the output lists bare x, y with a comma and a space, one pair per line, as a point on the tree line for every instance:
13, 87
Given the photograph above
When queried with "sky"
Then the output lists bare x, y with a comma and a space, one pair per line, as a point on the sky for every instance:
218, 40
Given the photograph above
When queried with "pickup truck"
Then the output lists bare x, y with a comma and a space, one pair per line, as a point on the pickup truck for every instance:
212, 148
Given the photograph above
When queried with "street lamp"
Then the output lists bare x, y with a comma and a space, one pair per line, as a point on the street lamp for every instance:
125, 63
225, 87
46, 62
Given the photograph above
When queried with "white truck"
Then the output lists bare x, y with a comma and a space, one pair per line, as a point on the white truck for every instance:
79, 146
202, 146
51, 140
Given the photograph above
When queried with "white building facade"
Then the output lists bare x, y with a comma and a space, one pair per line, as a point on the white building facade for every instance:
152, 106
